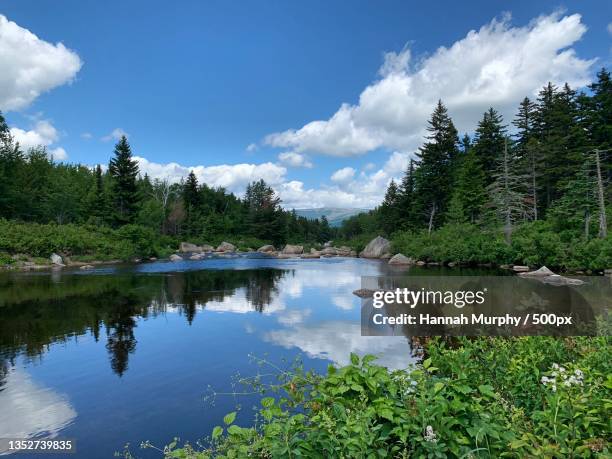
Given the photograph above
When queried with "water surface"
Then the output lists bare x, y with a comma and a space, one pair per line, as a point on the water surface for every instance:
126, 354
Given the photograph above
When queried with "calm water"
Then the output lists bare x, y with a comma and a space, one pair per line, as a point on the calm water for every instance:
127, 354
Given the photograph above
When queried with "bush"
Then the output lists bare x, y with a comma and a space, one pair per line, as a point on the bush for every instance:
484, 397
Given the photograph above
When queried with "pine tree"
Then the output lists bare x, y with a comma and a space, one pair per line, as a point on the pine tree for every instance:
390, 209
191, 200
469, 191
507, 198
489, 140
124, 170
436, 159
407, 201
528, 150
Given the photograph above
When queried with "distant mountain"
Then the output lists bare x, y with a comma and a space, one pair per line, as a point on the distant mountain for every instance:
334, 215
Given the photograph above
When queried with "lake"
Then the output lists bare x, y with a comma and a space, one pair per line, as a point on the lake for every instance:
130, 353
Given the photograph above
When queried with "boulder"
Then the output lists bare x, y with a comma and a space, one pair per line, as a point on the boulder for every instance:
152, 258
56, 259
420, 263
208, 248
401, 259
86, 267
293, 249
343, 251
197, 256
376, 248
329, 251
451, 264
542, 272
556, 279
310, 255
266, 248
520, 269
286, 255
175, 257
187, 247
226, 247
327, 244
608, 272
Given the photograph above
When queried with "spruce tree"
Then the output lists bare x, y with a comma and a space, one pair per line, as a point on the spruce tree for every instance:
436, 158
528, 151
191, 200
489, 141
124, 170
407, 201
390, 209
469, 191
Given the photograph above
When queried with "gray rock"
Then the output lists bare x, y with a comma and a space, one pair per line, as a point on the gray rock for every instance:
542, 272
208, 248
293, 249
608, 272
86, 267
266, 248
329, 251
376, 248
420, 263
556, 279
310, 255
188, 247
520, 269
401, 259
327, 244
286, 255
197, 256
226, 247
56, 259
175, 257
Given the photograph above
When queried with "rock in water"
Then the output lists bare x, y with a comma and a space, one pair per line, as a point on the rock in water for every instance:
226, 247
329, 251
266, 249
175, 257
376, 248
542, 272
401, 259
520, 269
187, 247
293, 249
56, 259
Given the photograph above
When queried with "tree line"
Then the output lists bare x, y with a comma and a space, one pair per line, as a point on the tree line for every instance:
34, 188
554, 167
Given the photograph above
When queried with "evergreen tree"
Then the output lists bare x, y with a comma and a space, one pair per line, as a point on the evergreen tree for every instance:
124, 170
407, 201
191, 203
527, 150
265, 217
489, 140
436, 159
507, 198
469, 191
390, 209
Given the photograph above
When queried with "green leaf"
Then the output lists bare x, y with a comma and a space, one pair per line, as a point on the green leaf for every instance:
354, 358
487, 390
267, 402
229, 418
438, 387
217, 431
234, 430
427, 363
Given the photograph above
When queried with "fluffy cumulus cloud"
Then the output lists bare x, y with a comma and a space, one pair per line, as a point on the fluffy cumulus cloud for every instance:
293, 159
31, 66
233, 177
343, 175
43, 134
497, 66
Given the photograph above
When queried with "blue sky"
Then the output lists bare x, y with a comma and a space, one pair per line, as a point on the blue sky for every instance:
195, 83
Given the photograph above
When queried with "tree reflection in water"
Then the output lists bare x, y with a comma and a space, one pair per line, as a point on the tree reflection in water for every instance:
36, 310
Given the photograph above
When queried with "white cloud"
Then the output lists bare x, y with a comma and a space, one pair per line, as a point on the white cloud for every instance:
610, 28
252, 147
496, 65
343, 175
233, 177
86, 136
293, 159
42, 134
115, 134
59, 154
31, 66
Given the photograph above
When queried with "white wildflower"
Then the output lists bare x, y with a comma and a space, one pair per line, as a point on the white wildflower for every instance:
430, 435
